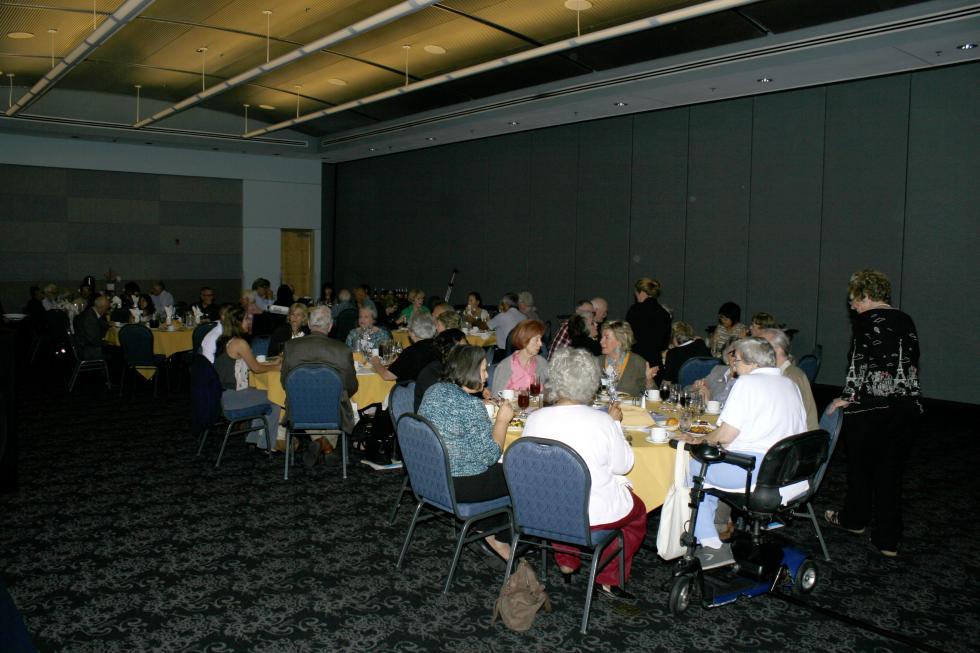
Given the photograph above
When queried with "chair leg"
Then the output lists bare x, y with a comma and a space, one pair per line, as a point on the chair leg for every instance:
515, 539
456, 554
71, 384
105, 370
223, 443
204, 436
343, 452
408, 536
289, 452
596, 555
398, 501
816, 528
122, 380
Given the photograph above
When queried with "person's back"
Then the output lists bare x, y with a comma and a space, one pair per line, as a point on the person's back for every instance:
318, 348
765, 407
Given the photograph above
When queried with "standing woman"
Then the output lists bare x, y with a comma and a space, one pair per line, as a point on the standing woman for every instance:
881, 406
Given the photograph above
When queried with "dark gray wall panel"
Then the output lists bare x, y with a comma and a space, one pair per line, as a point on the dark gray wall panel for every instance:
718, 209
202, 266
36, 208
863, 200
508, 211
784, 232
201, 214
31, 268
95, 210
602, 219
89, 238
34, 180
200, 240
465, 208
117, 185
200, 189
328, 190
33, 237
130, 265
659, 203
551, 231
941, 229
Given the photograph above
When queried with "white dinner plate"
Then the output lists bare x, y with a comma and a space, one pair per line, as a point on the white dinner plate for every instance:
14, 317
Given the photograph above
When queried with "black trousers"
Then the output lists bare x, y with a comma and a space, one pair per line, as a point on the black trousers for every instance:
878, 443
484, 487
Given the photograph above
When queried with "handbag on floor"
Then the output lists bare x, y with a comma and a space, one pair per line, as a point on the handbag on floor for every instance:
675, 515
520, 599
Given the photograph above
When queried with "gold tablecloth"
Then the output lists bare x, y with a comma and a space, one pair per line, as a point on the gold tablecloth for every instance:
401, 337
653, 464
166, 343
371, 388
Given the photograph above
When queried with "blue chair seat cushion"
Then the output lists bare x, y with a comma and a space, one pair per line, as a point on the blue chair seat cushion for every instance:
467, 510
244, 404
315, 426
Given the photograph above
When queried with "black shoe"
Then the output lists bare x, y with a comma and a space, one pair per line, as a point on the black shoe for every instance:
615, 593
311, 453
496, 561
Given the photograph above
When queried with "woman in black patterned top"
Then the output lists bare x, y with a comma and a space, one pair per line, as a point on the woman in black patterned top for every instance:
881, 407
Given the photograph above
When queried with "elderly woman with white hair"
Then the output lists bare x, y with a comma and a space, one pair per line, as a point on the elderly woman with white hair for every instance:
596, 436
366, 335
421, 330
763, 408
525, 304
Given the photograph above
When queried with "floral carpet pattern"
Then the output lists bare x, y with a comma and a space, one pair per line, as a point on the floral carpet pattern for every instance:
122, 539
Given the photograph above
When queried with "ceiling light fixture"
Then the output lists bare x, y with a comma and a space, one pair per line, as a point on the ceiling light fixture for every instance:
435, 49
336, 81
578, 6
137, 87
430, 138
20, 35
406, 48
966, 46
245, 131
267, 107
764, 80
52, 31
268, 15
513, 123
621, 104
372, 149
204, 58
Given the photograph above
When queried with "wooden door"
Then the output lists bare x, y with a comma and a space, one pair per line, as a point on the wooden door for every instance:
296, 260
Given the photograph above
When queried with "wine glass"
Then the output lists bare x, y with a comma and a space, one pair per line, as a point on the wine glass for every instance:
523, 401
665, 395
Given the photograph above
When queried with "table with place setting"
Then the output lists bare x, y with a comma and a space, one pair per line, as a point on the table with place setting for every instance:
167, 341
477, 338
371, 387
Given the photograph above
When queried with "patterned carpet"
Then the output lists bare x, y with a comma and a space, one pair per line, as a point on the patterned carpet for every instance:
122, 539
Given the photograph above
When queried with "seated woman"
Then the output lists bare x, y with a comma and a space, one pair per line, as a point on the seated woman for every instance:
416, 298
580, 334
473, 442
720, 380
421, 329
233, 363
729, 328
518, 371
474, 314
442, 344
326, 295
763, 408
366, 336
146, 308
295, 327
683, 347
597, 437
634, 373
284, 296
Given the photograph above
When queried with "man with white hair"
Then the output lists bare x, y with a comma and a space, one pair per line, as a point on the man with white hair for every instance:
562, 337
421, 330
780, 344
318, 348
525, 304
601, 308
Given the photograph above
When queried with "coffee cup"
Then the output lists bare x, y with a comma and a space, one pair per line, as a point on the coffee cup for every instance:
653, 394
658, 434
260, 358
508, 394
714, 407
491, 410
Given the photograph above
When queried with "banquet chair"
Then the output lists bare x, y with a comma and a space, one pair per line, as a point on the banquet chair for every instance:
260, 345
427, 464
137, 349
401, 401
85, 365
313, 392
696, 368
810, 366
831, 424
549, 486
197, 336
205, 397
57, 334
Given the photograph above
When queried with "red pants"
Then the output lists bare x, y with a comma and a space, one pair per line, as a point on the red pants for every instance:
634, 526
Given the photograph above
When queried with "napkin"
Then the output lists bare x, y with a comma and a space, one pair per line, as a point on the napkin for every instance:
635, 416
116, 302
135, 312
198, 314
169, 310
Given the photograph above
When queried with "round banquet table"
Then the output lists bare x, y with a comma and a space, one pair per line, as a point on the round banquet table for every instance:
371, 388
653, 464
166, 343
480, 339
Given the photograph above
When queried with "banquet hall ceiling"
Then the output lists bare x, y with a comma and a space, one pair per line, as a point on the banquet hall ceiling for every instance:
175, 49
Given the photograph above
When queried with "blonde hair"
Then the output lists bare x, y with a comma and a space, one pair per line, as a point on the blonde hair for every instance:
623, 333
650, 286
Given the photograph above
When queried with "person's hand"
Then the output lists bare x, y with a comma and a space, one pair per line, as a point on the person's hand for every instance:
615, 411
505, 412
650, 373
702, 389
837, 403
487, 395
376, 362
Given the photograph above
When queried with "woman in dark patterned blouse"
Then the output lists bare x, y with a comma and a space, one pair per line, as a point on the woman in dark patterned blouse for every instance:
881, 406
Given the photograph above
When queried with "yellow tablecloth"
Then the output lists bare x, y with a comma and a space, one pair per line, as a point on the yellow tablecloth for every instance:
653, 464
165, 342
401, 337
371, 388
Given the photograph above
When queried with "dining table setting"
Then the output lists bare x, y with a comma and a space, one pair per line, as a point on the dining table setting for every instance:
473, 336
372, 388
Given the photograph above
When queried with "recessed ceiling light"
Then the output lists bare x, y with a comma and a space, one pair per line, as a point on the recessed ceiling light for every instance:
621, 104
435, 49
267, 107
372, 149
336, 81
764, 80
966, 46
578, 5
513, 123
430, 138
20, 35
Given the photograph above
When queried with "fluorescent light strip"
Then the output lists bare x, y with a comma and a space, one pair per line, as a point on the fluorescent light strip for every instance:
112, 24
534, 53
379, 19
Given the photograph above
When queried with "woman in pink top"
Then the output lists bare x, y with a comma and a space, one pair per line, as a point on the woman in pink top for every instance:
518, 371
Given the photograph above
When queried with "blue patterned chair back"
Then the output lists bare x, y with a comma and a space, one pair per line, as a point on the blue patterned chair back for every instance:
791, 460
696, 368
313, 394
831, 424
137, 345
549, 487
401, 401
260, 345
205, 394
200, 331
426, 461
810, 366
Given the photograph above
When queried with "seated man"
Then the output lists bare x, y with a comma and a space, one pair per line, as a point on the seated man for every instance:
763, 408
262, 294
421, 329
90, 329
206, 304
503, 322
161, 297
318, 348
562, 337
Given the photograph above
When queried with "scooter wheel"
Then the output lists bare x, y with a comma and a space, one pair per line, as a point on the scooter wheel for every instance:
805, 579
680, 595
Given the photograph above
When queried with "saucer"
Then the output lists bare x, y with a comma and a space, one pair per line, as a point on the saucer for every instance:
652, 441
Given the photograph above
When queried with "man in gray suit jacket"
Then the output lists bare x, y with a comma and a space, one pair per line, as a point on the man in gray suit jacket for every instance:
318, 348
90, 329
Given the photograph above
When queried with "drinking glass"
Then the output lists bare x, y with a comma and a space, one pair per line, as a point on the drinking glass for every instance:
665, 395
523, 401
535, 387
